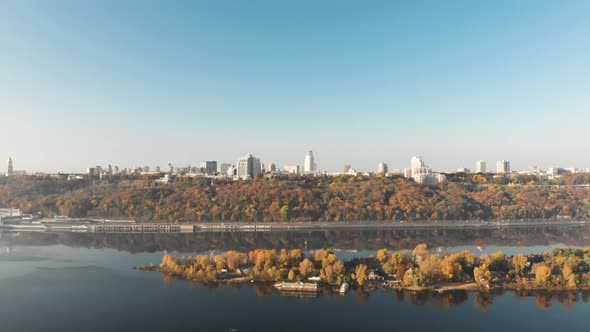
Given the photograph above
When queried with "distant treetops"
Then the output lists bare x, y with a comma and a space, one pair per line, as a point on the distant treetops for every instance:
299, 198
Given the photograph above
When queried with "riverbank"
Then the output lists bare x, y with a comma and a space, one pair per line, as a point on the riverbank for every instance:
260, 226
114, 226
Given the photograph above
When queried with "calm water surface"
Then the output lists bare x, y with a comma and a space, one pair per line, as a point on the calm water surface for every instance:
85, 282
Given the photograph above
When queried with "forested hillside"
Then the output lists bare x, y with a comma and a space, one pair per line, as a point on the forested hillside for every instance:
344, 198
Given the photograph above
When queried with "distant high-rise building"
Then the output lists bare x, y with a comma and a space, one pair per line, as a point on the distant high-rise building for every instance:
109, 170
407, 172
157, 169
503, 166
272, 168
232, 171
422, 173
309, 163
417, 162
382, 168
170, 168
9, 169
210, 167
223, 168
346, 168
248, 167
418, 166
480, 166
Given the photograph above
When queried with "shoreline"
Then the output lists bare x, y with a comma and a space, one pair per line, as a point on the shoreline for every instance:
120, 226
385, 225
435, 288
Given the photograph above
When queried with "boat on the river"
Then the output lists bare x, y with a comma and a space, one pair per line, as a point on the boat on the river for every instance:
297, 286
344, 288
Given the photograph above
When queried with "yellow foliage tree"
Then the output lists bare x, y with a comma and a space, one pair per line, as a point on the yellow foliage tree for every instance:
360, 273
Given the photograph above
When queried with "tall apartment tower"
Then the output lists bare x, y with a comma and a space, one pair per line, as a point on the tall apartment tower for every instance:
503, 166
9, 169
309, 163
210, 167
382, 168
249, 167
480, 166
417, 162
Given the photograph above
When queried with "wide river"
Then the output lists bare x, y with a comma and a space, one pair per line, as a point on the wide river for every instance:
85, 282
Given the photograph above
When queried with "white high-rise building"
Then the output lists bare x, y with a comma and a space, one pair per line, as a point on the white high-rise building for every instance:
249, 167
422, 173
309, 166
382, 168
503, 166
417, 162
9, 169
232, 171
418, 166
480, 166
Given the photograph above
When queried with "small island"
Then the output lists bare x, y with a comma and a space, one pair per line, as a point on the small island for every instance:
416, 270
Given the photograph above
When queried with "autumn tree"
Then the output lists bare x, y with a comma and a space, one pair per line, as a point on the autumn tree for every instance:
518, 264
360, 273
306, 268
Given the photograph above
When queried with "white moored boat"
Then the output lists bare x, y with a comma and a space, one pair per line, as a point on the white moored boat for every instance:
344, 288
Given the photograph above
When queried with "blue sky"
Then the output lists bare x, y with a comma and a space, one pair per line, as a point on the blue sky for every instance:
150, 82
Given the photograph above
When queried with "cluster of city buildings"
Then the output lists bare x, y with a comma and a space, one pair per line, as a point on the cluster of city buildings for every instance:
503, 167
249, 167
246, 168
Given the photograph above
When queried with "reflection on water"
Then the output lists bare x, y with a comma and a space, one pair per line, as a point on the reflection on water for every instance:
356, 240
482, 301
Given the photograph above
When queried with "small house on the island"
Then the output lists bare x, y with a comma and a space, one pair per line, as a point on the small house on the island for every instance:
375, 276
530, 277
317, 279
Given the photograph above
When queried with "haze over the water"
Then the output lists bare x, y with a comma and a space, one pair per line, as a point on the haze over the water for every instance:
146, 83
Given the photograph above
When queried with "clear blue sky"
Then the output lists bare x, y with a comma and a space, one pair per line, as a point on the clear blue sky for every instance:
129, 83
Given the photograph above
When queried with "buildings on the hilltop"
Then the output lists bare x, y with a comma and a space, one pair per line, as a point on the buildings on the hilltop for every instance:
309, 166
382, 168
422, 173
480, 166
291, 169
248, 167
463, 170
209, 167
223, 168
272, 168
503, 166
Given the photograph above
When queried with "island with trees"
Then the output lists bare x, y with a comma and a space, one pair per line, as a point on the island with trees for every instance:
418, 270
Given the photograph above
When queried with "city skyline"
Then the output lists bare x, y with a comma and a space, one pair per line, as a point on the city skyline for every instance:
458, 82
415, 165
